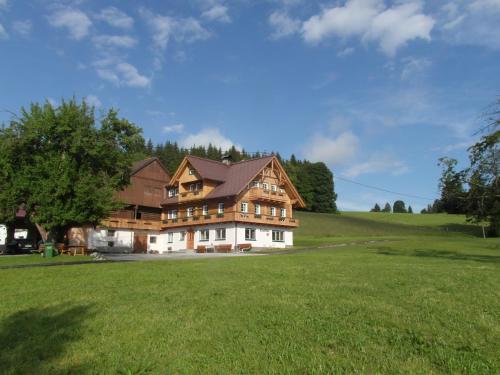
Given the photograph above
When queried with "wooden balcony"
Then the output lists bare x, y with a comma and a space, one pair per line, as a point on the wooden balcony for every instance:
231, 217
132, 224
257, 194
190, 195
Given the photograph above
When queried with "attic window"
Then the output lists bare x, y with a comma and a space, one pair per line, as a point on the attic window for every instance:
191, 171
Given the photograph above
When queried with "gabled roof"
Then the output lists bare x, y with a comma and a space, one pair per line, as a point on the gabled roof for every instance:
234, 177
139, 165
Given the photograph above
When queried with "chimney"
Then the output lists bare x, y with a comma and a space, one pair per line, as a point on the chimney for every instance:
227, 159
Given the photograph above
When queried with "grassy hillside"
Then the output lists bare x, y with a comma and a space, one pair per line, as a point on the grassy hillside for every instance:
330, 228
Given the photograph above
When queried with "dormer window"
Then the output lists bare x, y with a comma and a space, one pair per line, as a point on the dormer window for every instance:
282, 190
255, 184
191, 171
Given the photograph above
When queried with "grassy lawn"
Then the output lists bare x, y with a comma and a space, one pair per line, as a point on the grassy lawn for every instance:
427, 302
36, 258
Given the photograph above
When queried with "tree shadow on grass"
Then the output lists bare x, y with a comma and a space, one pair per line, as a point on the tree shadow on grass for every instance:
451, 255
31, 341
469, 229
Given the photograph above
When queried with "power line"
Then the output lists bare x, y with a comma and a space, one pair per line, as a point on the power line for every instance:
385, 190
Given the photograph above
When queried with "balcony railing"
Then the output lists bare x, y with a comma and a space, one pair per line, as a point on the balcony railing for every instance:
258, 194
132, 224
190, 195
231, 217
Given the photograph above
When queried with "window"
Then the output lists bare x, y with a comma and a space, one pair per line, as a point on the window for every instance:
274, 188
111, 233
273, 211
191, 171
255, 184
111, 243
257, 209
220, 208
278, 236
250, 234
192, 187
170, 237
205, 209
265, 186
182, 235
173, 192
172, 214
220, 234
190, 211
204, 235
282, 190
138, 215
152, 239
244, 207
283, 212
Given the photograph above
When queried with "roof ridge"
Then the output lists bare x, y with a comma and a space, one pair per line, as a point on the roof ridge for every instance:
207, 159
253, 159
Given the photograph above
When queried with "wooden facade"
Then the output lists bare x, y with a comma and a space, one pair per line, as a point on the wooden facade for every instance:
267, 197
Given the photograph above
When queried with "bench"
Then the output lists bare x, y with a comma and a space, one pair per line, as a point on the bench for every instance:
223, 248
201, 249
244, 247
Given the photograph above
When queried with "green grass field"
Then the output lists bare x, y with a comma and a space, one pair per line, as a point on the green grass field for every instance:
426, 301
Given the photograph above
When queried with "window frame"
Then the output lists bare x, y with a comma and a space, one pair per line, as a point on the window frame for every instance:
220, 208
170, 237
182, 235
278, 235
257, 209
217, 234
244, 207
152, 239
250, 231
274, 188
204, 210
265, 186
201, 237
273, 211
189, 211
282, 212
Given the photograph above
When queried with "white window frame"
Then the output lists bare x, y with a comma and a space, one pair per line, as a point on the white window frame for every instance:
265, 186
274, 188
170, 237
282, 212
278, 236
244, 207
190, 212
220, 208
257, 209
255, 184
204, 209
273, 211
220, 234
152, 239
201, 235
250, 234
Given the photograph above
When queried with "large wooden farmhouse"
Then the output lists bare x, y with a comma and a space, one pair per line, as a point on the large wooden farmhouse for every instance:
128, 229
213, 204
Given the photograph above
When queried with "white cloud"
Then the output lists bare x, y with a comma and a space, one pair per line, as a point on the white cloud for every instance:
414, 67
177, 128
121, 74
124, 41
333, 151
22, 28
93, 100
345, 52
471, 22
208, 136
454, 147
283, 25
74, 20
217, 12
164, 28
3, 32
115, 17
391, 27
378, 163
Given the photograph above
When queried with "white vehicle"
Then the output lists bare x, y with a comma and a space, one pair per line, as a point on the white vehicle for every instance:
3, 235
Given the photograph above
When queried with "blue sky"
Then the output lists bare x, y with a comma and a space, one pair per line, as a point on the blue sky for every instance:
377, 89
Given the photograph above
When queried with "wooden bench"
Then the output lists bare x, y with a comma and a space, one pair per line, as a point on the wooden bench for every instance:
201, 249
223, 248
244, 247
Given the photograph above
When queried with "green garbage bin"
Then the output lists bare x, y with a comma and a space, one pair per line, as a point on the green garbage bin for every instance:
49, 250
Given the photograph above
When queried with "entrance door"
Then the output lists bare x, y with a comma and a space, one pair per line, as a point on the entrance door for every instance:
190, 239
140, 243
